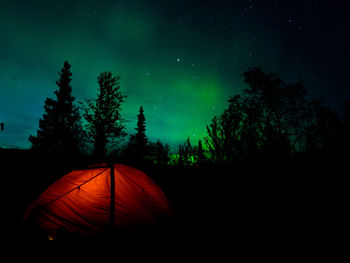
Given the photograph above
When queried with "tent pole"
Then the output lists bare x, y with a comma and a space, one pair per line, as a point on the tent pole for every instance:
112, 214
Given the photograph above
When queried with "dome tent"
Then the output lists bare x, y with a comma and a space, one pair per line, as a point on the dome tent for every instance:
97, 199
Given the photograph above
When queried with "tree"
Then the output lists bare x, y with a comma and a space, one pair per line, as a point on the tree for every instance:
270, 118
103, 115
214, 141
140, 139
159, 153
60, 129
233, 121
225, 133
324, 133
346, 129
2, 125
186, 154
200, 154
281, 109
346, 114
137, 146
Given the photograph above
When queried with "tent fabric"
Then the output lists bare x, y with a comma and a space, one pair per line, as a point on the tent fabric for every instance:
80, 201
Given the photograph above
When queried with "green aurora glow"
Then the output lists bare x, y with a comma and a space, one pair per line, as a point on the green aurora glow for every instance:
180, 61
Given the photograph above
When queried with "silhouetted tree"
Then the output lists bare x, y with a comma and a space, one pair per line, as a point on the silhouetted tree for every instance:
323, 135
233, 123
159, 153
346, 129
200, 157
141, 140
226, 132
2, 125
60, 129
186, 154
270, 118
137, 146
250, 139
214, 141
103, 115
281, 107
347, 113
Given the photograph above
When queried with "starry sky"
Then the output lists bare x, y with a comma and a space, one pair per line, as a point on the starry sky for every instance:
181, 60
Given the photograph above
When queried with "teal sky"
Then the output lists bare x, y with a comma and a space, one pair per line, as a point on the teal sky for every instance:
181, 60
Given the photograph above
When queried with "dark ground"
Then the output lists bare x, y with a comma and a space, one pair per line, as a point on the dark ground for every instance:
297, 202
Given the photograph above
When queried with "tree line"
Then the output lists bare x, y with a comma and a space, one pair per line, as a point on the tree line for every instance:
269, 120
68, 127
272, 121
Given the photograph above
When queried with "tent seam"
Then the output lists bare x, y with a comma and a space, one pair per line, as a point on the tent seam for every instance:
77, 187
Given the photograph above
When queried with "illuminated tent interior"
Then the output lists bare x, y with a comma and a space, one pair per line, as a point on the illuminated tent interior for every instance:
81, 201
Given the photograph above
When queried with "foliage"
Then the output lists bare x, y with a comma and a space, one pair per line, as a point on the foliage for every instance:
191, 155
137, 147
324, 133
214, 140
103, 115
60, 128
186, 154
159, 153
201, 158
282, 108
140, 139
270, 118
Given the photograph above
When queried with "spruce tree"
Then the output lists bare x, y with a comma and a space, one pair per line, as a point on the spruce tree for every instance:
141, 139
137, 147
60, 129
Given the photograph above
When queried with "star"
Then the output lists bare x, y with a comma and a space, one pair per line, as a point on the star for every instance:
178, 59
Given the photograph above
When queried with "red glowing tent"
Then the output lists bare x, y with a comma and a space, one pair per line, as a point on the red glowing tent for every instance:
97, 198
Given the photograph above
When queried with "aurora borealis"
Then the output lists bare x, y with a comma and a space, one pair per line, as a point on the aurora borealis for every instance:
181, 60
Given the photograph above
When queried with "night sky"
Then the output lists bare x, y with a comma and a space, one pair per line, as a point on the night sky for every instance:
181, 60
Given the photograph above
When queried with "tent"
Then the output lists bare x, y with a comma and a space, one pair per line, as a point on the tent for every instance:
98, 198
